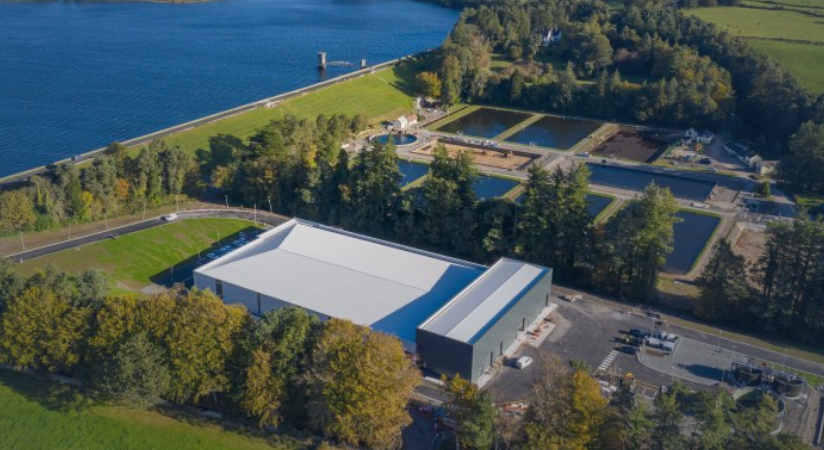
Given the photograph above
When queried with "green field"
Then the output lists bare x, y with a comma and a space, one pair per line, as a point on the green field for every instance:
805, 61
381, 95
764, 27
38, 415
134, 259
760, 23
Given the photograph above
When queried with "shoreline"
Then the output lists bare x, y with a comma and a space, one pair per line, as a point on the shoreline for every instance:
86, 157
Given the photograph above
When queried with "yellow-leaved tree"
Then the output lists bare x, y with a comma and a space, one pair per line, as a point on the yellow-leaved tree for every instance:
568, 409
360, 382
43, 332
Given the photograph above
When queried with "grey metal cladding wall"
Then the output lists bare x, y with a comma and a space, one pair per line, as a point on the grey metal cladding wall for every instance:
505, 330
443, 355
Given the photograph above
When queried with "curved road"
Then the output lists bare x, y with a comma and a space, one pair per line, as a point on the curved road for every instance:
265, 217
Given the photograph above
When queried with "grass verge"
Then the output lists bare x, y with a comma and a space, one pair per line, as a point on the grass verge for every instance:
37, 415
136, 260
381, 95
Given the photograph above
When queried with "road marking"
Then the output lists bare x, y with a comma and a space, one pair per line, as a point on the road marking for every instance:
608, 360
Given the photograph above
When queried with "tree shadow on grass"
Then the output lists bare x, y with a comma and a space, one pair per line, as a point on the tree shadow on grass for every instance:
236, 423
182, 272
52, 395
405, 74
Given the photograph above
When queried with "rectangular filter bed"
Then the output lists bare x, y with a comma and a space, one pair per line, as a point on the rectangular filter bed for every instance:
637, 180
484, 123
555, 132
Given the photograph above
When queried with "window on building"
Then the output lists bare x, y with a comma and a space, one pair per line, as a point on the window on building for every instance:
219, 288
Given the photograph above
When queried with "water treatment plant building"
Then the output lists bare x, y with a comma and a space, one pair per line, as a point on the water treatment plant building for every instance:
459, 317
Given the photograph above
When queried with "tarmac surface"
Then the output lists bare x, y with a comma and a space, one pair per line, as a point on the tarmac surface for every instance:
592, 332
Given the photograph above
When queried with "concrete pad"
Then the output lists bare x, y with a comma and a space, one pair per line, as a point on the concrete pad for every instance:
693, 361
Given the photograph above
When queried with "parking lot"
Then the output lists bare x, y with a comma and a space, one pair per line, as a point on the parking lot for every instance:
597, 333
587, 332
692, 360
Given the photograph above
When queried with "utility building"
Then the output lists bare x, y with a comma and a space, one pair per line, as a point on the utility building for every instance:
485, 321
473, 312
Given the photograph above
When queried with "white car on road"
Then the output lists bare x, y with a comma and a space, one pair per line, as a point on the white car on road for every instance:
169, 217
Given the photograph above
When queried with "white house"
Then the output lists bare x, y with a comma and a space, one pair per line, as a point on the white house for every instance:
549, 36
743, 153
404, 122
703, 137
401, 123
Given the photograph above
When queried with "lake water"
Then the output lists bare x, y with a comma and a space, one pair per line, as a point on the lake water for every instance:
77, 75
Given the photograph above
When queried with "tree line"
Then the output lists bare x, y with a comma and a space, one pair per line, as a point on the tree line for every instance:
285, 370
114, 184
567, 411
780, 293
121, 181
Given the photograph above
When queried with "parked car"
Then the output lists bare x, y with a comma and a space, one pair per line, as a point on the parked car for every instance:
523, 362
628, 349
636, 333
169, 217
571, 298
583, 154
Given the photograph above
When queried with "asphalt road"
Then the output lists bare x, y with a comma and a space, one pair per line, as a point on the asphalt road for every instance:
265, 217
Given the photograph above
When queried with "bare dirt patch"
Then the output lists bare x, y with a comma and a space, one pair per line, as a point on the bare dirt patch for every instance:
631, 145
483, 156
750, 244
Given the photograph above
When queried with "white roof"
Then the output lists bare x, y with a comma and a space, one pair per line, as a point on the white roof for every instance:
389, 287
483, 302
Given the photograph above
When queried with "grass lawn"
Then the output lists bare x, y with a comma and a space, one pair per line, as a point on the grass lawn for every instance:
804, 60
762, 26
788, 4
380, 95
38, 415
134, 260
759, 23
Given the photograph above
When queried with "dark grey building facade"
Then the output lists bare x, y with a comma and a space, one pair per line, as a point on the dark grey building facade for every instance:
480, 325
